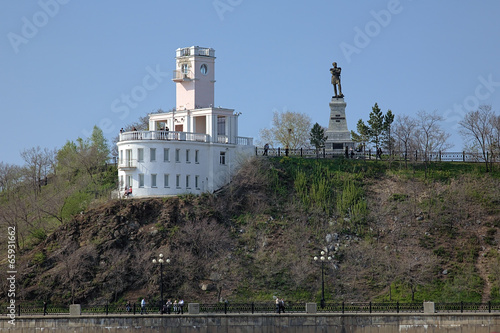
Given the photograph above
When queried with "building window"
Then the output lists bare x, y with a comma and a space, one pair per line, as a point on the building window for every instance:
152, 154
187, 181
121, 157
221, 125
196, 156
204, 69
222, 157
140, 155
187, 156
141, 180
178, 181
185, 68
197, 182
166, 155
165, 180
129, 162
177, 155
122, 185
153, 180
128, 181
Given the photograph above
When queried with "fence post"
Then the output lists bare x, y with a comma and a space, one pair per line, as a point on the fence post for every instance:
256, 153
253, 307
107, 309
439, 156
463, 156
279, 151
397, 307
134, 307
225, 303
301, 152
370, 154
461, 306
342, 307
324, 152
416, 155
489, 306
19, 310
370, 307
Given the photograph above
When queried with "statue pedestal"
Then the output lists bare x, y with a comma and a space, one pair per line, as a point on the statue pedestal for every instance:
338, 135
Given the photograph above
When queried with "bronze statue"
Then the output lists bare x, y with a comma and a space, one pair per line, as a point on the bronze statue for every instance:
336, 80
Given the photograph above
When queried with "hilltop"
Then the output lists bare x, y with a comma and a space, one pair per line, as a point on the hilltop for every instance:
394, 234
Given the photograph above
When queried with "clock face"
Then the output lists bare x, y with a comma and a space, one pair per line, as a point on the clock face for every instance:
204, 69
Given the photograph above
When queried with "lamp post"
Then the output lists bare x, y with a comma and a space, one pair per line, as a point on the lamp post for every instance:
322, 259
161, 261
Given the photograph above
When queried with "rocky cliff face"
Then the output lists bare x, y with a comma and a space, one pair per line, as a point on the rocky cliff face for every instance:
254, 239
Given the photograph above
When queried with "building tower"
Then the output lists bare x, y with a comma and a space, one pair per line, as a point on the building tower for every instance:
194, 77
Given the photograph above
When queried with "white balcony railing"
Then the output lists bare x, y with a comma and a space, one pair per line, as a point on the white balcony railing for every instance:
181, 136
164, 135
127, 164
179, 75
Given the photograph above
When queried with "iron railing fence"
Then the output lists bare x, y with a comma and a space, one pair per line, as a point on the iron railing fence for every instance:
413, 156
369, 307
23, 308
35, 308
468, 307
251, 307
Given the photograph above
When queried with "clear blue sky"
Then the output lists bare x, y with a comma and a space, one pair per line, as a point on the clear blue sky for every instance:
63, 63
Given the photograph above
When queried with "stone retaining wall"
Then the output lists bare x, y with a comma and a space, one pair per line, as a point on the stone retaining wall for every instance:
253, 323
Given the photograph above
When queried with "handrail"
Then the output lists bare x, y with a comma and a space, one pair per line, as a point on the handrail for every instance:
37, 308
180, 136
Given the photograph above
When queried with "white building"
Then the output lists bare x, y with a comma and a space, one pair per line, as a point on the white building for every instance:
194, 148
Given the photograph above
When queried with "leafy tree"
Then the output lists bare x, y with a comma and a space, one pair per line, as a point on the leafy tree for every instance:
388, 140
362, 137
378, 128
317, 136
289, 129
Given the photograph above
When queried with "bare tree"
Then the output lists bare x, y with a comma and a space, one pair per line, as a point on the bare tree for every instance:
478, 129
404, 131
416, 268
39, 163
429, 136
289, 129
495, 120
10, 176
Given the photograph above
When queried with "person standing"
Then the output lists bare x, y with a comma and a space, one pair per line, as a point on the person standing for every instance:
169, 306
181, 306
143, 306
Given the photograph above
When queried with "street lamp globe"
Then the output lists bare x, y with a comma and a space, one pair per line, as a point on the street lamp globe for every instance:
160, 261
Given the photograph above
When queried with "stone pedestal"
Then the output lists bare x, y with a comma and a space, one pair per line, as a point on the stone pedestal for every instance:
429, 307
338, 135
311, 307
193, 308
75, 310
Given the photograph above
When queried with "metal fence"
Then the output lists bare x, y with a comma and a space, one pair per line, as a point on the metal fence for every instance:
415, 156
37, 308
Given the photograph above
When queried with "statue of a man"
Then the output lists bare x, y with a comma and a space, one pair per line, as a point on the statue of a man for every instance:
336, 80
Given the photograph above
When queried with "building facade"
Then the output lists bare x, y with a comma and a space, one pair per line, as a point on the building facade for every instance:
194, 148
